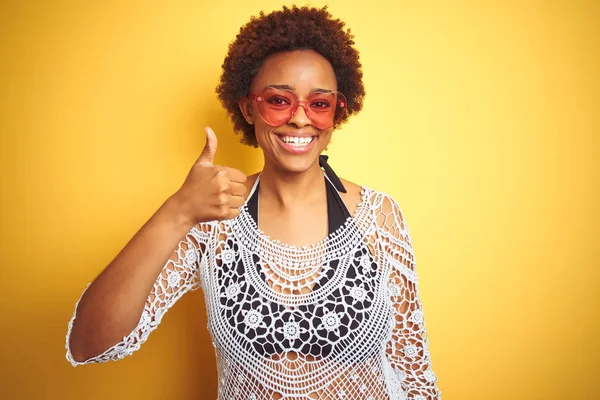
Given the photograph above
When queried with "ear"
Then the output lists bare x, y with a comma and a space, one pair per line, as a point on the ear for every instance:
246, 109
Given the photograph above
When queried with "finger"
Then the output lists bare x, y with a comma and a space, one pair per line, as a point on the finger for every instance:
236, 201
210, 148
237, 189
221, 173
233, 213
235, 175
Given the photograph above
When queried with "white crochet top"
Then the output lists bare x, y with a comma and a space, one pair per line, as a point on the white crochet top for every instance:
340, 319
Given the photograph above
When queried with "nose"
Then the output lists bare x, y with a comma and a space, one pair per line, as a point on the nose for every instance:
299, 117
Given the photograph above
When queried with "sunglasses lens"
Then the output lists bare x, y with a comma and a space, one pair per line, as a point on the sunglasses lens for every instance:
275, 106
326, 109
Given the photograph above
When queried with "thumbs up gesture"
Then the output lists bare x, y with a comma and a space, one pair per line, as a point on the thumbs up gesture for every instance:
211, 192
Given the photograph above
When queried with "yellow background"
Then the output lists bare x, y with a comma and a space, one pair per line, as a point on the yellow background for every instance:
481, 119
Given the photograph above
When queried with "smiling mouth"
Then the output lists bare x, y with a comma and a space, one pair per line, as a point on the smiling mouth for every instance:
296, 141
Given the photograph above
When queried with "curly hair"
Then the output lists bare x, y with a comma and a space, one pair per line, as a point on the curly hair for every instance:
304, 28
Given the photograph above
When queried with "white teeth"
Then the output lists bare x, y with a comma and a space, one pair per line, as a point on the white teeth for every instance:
296, 141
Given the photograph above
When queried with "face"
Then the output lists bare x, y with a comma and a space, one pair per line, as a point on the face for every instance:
307, 74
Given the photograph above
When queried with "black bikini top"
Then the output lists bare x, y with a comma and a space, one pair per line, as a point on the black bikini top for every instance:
315, 342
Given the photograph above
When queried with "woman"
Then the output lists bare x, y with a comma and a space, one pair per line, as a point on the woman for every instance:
310, 281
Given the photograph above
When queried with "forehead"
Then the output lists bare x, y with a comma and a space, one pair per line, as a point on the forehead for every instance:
303, 70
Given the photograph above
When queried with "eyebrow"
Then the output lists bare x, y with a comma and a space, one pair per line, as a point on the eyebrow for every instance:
288, 87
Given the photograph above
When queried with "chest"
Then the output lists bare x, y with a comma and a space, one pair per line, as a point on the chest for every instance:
301, 227
315, 301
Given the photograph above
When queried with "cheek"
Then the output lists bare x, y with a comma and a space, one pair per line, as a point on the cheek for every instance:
263, 132
326, 137
260, 126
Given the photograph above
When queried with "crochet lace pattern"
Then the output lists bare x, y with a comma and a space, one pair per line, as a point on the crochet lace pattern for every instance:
340, 319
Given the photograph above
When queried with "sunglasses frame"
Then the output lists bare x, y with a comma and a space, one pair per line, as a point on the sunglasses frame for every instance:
259, 98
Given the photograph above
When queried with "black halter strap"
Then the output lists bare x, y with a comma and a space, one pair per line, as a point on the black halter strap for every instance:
331, 174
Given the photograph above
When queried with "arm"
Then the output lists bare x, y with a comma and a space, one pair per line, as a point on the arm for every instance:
407, 350
117, 312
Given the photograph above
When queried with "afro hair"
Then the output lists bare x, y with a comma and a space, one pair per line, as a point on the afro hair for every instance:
289, 29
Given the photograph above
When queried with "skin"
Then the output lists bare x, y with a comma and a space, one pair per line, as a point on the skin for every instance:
292, 187
292, 193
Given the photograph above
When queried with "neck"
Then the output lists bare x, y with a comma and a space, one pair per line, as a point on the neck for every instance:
284, 189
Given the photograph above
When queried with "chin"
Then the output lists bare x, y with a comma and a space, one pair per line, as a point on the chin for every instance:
297, 164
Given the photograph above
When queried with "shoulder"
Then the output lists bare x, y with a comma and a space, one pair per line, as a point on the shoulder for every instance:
378, 199
386, 210
353, 195
382, 203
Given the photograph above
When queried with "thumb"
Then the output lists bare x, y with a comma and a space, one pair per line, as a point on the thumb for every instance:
210, 148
